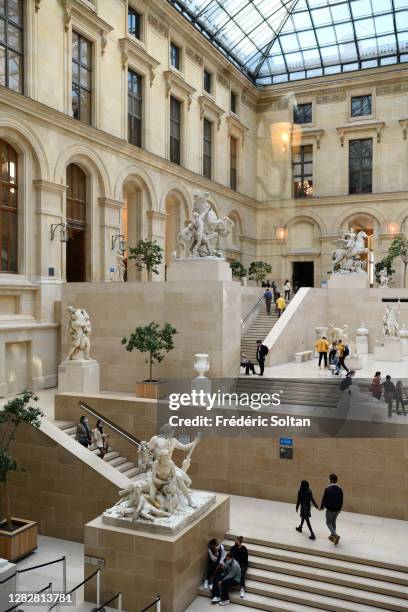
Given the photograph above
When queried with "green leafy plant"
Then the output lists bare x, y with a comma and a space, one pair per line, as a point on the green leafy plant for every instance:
147, 255
14, 413
238, 270
399, 250
151, 339
386, 263
258, 271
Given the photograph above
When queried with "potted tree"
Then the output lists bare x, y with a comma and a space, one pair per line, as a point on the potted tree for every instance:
157, 341
399, 250
238, 270
18, 537
258, 271
147, 255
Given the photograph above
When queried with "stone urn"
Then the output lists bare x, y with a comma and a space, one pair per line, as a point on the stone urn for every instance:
201, 364
362, 339
403, 334
362, 330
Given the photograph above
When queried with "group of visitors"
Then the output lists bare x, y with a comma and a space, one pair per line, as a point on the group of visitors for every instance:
272, 285
275, 296
87, 436
226, 570
391, 392
333, 355
261, 353
332, 502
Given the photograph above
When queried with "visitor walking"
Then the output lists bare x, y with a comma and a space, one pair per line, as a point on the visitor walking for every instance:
332, 501
83, 433
322, 347
261, 353
274, 290
240, 554
268, 300
216, 555
247, 364
230, 576
389, 393
280, 304
332, 352
100, 439
399, 398
304, 501
344, 351
376, 387
287, 290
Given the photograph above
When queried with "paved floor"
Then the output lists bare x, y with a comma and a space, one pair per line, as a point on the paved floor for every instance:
361, 535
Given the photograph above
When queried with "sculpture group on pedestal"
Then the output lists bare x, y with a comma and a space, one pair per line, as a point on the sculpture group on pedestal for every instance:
199, 237
391, 324
347, 258
79, 328
384, 278
120, 267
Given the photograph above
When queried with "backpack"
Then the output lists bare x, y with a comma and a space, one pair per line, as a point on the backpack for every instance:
346, 351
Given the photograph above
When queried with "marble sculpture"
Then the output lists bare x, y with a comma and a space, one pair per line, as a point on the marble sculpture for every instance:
79, 328
347, 258
391, 324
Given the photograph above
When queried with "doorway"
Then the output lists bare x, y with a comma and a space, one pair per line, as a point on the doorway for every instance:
76, 224
303, 274
76, 255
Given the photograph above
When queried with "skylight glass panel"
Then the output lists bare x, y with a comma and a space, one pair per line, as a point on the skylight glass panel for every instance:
276, 37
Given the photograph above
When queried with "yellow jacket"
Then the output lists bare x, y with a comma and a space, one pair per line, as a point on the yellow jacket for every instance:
322, 346
281, 304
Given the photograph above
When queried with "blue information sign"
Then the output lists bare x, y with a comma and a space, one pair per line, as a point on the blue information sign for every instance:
286, 441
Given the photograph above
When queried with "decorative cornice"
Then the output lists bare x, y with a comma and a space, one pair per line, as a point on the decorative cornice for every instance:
157, 25
361, 127
331, 97
111, 203
222, 80
207, 104
392, 88
176, 81
156, 214
308, 133
235, 124
77, 8
404, 124
37, 5
134, 52
247, 99
195, 57
43, 185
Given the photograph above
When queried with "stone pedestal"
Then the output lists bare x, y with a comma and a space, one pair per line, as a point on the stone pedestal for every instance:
362, 340
6, 588
404, 340
349, 281
354, 362
79, 376
387, 349
199, 269
141, 564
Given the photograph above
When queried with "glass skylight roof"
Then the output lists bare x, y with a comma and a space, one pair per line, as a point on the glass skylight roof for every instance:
273, 41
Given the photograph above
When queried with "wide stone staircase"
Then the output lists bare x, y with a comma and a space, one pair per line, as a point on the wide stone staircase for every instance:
285, 577
122, 464
258, 330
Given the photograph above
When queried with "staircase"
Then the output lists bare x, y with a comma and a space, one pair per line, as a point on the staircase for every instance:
122, 464
291, 578
305, 392
258, 330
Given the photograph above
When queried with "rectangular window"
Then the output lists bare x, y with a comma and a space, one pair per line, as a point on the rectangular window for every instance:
81, 78
207, 148
233, 163
175, 56
303, 113
175, 130
233, 102
134, 23
361, 106
11, 44
302, 171
135, 108
361, 165
207, 81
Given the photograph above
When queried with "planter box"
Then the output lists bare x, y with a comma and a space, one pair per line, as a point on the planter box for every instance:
15, 545
152, 390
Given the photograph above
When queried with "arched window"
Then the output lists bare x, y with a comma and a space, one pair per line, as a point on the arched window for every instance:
8, 208
76, 223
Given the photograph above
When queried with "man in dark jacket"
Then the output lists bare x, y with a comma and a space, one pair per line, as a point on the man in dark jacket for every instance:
333, 502
261, 353
240, 554
389, 393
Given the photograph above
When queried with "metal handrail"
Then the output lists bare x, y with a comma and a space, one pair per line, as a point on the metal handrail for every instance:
110, 424
245, 319
33, 567
49, 586
118, 596
79, 586
156, 601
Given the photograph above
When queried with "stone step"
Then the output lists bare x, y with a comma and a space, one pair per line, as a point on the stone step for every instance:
111, 455
260, 602
326, 560
124, 467
132, 472
118, 461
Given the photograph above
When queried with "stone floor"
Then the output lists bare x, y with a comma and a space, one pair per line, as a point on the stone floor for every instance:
361, 535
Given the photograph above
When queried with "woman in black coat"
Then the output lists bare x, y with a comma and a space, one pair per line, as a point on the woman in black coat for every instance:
305, 500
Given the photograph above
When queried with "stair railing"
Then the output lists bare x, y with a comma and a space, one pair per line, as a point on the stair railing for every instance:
244, 323
155, 602
129, 437
96, 573
118, 596
62, 560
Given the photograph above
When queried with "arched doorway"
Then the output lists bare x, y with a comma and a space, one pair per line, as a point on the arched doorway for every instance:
8, 208
176, 217
76, 224
133, 220
365, 223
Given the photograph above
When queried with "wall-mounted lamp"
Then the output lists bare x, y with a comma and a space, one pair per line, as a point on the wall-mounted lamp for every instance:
63, 231
122, 243
281, 232
393, 228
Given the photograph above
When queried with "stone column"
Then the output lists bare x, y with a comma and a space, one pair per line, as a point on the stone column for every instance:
110, 226
157, 231
404, 340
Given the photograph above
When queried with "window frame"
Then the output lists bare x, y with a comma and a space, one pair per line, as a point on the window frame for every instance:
91, 71
207, 150
174, 45
360, 98
233, 94
12, 212
309, 176
21, 54
296, 110
210, 76
140, 16
131, 117
361, 170
233, 182
179, 158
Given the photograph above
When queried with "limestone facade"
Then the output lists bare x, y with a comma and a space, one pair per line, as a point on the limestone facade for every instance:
138, 192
